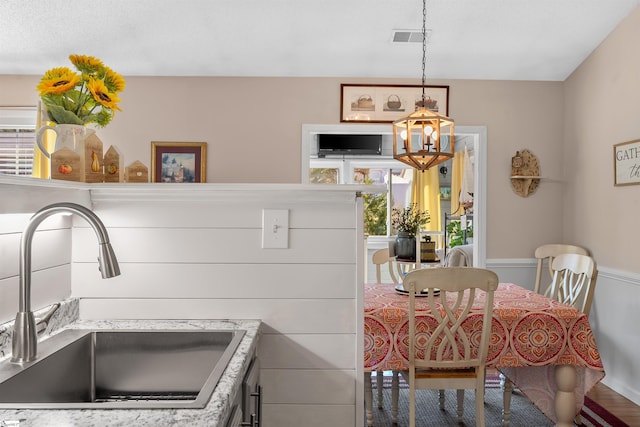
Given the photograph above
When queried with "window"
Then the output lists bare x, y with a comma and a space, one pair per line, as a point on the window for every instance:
377, 207
17, 139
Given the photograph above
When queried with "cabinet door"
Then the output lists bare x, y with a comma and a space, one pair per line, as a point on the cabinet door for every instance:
235, 420
252, 395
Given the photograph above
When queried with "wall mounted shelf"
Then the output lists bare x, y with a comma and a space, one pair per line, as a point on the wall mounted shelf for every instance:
525, 173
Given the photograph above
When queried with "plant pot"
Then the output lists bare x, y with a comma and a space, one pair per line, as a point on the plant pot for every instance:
405, 246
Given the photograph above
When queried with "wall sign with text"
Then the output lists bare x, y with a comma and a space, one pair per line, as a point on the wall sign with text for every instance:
626, 163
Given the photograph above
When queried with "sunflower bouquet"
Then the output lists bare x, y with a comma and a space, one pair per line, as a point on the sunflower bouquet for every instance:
88, 97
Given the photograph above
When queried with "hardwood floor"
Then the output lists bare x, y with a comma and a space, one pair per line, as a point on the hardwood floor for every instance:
618, 405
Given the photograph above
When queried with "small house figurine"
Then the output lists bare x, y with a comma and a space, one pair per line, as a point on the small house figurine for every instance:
66, 164
92, 160
113, 165
137, 172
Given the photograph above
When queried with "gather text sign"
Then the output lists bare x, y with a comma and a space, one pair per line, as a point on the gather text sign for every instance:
626, 163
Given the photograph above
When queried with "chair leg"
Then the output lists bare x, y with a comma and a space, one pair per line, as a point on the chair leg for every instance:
368, 398
460, 394
441, 399
380, 383
412, 404
507, 389
395, 392
480, 421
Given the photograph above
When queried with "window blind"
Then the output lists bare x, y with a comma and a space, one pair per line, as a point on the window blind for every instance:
17, 139
16, 151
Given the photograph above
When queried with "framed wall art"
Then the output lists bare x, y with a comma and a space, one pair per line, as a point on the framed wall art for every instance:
626, 163
361, 103
178, 161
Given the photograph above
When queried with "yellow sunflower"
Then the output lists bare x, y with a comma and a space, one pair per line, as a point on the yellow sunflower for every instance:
87, 64
114, 81
57, 81
102, 95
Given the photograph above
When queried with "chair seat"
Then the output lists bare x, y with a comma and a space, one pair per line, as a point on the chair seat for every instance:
439, 379
444, 373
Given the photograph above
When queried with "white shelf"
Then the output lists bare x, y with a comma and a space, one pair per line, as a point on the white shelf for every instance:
42, 192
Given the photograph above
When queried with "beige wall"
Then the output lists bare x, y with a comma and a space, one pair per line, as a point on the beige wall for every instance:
602, 105
253, 130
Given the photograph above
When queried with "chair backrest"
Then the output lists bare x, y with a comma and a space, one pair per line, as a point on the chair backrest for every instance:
453, 292
546, 254
380, 257
574, 280
460, 256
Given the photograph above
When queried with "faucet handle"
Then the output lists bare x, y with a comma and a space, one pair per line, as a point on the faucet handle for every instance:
41, 324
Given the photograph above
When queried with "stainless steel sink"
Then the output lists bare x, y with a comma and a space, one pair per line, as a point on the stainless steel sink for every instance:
120, 369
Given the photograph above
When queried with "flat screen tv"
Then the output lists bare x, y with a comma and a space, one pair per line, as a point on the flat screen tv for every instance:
339, 144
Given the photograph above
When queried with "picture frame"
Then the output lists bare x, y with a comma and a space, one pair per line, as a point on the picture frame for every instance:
626, 163
445, 193
363, 103
178, 162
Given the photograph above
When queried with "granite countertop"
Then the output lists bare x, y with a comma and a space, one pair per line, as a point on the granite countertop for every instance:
213, 414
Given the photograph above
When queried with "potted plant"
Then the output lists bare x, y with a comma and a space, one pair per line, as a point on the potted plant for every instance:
458, 236
407, 223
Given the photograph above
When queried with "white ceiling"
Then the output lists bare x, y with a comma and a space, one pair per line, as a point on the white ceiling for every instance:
470, 39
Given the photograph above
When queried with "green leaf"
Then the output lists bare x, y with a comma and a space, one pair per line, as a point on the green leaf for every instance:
59, 115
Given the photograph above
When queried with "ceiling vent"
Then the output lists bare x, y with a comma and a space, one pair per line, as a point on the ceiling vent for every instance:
408, 36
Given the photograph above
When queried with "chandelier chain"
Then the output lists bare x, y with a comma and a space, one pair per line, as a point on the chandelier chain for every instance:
424, 48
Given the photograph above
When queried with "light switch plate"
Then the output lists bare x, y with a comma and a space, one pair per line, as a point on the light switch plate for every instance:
275, 228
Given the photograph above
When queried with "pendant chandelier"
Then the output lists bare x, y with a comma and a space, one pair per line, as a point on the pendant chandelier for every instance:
418, 138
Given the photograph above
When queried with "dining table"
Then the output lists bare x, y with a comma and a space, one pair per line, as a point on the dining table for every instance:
546, 349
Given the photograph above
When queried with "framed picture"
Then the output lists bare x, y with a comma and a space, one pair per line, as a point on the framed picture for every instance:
445, 193
626, 163
178, 161
361, 103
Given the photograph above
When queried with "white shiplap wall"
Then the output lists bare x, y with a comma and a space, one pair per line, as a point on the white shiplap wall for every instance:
199, 256
50, 262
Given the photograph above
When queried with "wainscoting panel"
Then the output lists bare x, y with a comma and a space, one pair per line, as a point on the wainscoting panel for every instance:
231, 213
298, 386
50, 247
215, 245
307, 351
50, 262
204, 259
309, 415
48, 286
217, 281
279, 315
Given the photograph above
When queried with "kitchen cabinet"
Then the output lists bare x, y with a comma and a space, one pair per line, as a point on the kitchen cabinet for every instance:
252, 396
235, 419
246, 410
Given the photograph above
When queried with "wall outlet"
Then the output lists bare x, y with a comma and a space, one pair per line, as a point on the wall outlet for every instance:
275, 228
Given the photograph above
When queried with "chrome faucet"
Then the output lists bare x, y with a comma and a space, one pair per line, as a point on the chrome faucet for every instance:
25, 341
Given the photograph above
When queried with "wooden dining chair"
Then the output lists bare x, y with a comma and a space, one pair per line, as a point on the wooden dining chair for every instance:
443, 355
573, 283
545, 255
381, 257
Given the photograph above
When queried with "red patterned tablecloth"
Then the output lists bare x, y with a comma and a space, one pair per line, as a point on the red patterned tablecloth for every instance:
530, 334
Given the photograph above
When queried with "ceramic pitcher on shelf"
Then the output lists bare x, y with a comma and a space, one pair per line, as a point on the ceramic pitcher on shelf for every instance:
69, 136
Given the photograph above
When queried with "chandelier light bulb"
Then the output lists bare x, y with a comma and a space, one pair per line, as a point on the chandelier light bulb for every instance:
434, 135
428, 130
403, 135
